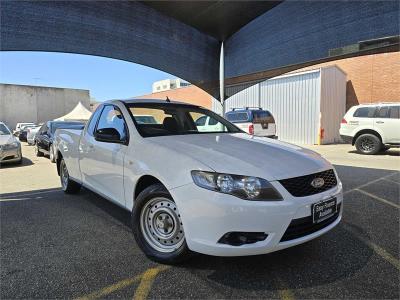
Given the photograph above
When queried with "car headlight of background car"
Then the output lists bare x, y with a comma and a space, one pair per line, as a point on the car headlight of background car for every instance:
244, 187
10, 146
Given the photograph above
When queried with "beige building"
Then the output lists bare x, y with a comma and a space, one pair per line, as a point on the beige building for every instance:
37, 104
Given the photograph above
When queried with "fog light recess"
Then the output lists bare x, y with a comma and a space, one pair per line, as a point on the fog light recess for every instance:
236, 238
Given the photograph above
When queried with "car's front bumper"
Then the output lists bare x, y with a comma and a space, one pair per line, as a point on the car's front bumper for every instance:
207, 216
10, 155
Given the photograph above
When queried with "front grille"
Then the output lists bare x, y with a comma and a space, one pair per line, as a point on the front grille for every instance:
305, 226
301, 186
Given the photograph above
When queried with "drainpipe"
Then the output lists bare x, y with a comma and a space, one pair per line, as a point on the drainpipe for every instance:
222, 78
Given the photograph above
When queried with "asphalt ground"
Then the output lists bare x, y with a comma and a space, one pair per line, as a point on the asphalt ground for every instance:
81, 246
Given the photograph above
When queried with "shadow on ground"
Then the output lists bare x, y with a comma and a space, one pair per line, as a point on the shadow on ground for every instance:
25, 162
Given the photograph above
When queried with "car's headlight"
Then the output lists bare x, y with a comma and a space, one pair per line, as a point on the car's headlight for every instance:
245, 187
11, 146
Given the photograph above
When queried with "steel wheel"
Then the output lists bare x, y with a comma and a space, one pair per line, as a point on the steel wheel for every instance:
161, 225
64, 175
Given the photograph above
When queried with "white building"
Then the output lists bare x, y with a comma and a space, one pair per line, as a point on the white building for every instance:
168, 84
307, 106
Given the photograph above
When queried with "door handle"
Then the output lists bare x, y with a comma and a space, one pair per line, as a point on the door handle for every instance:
379, 122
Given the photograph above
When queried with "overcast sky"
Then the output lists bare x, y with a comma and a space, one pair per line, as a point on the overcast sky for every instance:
105, 78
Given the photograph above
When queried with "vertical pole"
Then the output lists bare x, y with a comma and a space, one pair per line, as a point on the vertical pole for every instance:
222, 78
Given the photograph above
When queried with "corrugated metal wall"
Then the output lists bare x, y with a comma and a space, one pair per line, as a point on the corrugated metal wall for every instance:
246, 98
333, 103
294, 101
300, 102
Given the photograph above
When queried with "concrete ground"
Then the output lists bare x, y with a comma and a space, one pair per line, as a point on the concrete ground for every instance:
61, 246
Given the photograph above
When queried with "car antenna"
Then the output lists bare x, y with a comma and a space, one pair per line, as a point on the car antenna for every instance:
167, 99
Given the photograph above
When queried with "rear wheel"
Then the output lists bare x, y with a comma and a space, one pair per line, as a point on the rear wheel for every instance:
368, 144
37, 151
68, 186
157, 226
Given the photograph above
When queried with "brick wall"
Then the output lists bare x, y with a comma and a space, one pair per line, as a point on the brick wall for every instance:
190, 94
371, 78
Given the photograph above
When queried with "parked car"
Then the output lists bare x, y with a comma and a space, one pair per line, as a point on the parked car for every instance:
254, 121
31, 134
18, 127
10, 147
372, 127
23, 133
222, 193
45, 135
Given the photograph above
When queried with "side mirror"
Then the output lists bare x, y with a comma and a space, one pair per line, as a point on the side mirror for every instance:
108, 135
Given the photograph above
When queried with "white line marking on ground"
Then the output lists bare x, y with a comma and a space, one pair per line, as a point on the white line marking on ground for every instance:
389, 180
377, 198
377, 249
369, 183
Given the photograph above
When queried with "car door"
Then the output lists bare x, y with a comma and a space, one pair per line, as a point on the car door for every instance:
387, 123
102, 163
41, 136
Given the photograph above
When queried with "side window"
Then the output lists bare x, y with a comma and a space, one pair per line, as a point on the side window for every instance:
201, 121
44, 128
111, 117
93, 121
212, 121
365, 112
394, 112
383, 112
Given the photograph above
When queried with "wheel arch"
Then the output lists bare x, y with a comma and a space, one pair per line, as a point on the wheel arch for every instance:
144, 182
365, 131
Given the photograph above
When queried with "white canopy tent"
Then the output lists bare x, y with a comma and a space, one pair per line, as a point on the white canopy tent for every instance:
79, 113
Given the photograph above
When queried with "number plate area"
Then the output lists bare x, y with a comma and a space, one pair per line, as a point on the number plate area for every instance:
323, 210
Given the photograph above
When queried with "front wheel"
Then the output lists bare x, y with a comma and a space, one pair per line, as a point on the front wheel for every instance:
368, 144
68, 186
52, 156
157, 226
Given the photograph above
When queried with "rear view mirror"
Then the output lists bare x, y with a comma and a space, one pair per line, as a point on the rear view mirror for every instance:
108, 135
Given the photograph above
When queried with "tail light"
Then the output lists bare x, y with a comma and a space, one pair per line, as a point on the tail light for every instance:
343, 121
251, 129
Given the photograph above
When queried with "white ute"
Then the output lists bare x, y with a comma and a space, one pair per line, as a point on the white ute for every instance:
219, 192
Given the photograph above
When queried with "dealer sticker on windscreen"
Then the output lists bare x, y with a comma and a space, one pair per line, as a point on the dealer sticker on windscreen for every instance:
323, 210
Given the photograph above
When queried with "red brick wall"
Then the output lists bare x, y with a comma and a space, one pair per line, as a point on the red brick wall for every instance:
190, 94
371, 78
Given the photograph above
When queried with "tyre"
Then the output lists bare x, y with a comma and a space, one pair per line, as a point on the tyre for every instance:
157, 226
368, 144
68, 186
52, 156
37, 151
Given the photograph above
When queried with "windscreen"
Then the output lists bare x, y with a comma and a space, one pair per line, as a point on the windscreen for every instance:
4, 130
237, 117
153, 119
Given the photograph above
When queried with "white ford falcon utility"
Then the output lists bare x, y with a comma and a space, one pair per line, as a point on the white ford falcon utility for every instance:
218, 192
